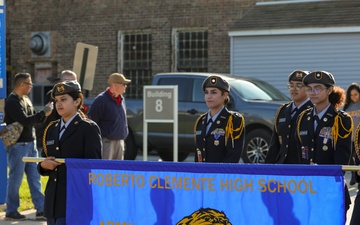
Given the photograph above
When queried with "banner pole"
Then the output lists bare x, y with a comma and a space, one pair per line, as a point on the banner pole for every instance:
39, 159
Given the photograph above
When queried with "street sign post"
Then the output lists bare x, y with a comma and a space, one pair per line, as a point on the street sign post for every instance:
160, 106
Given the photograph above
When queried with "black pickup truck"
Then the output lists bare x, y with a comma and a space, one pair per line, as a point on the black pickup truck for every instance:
256, 100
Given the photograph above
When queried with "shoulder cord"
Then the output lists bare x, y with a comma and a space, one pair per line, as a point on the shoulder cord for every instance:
356, 141
335, 129
196, 123
44, 137
298, 124
229, 129
277, 117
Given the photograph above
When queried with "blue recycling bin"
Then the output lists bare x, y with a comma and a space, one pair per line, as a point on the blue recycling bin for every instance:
3, 172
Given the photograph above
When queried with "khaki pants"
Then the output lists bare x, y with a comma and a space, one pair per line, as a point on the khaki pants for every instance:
113, 149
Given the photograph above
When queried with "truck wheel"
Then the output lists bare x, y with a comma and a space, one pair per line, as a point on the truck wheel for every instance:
168, 155
130, 148
256, 147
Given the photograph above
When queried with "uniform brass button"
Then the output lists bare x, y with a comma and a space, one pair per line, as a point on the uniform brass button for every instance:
312, 149
57, 148
289, 126
287, 146
54, 179
287, 136
55, 169
204, 139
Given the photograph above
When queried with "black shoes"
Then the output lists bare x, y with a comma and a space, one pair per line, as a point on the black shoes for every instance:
14, 216
40, 216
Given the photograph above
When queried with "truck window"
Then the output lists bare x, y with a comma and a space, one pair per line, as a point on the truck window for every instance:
183, 86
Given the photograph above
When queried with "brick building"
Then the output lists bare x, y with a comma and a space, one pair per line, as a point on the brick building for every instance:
137, 38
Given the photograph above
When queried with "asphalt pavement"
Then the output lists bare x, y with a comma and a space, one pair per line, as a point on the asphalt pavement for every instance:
30, 214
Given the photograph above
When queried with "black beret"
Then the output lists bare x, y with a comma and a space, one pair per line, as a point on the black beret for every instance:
65, 87
319, 76
216, 81
298, 75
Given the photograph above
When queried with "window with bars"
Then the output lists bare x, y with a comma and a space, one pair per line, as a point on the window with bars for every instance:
191, 51
136, 51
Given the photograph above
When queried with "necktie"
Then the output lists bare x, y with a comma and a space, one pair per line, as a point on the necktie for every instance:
62, 130
208, 125
316, 118
293, 112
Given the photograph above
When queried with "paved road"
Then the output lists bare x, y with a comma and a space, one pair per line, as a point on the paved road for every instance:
30, 214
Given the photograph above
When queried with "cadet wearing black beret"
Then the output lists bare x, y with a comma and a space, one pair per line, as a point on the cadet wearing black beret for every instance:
323, 132
219, 133
283, 149
71, 136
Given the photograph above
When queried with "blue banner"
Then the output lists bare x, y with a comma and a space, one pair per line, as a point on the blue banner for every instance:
111, 192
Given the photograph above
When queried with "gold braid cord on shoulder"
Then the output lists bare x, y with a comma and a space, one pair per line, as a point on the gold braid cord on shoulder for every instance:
44, 137
196, 123
277, 117
298, 124
229, 130
335, 129
356, 141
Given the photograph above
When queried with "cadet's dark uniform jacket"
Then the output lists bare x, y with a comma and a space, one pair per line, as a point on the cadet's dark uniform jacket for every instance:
330, 143
283, 148
224, 141
81, 139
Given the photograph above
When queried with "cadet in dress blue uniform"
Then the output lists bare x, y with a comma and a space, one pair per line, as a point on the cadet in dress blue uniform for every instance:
80, 138
283, 148
219, 133
355, 218
323, 132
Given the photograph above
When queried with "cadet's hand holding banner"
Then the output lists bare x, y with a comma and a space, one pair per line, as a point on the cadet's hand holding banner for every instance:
129, 192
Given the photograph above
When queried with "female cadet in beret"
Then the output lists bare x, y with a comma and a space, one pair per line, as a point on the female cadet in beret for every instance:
323, 132
283, 149
355, 218
219, 133
72, 136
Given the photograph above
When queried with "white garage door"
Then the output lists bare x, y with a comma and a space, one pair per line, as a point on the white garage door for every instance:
273, 57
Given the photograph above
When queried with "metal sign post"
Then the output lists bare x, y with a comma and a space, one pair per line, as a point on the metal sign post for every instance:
160, 106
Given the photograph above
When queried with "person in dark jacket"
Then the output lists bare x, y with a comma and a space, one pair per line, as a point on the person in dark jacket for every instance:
283, 149
72, 136
109, 112
19, 108
323, 132
219, 133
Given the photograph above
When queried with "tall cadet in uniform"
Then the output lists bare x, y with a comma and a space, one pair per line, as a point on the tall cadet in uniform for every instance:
323, 132
72, 136
219, 133
283, 149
